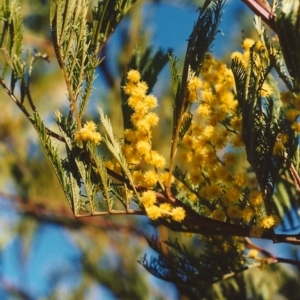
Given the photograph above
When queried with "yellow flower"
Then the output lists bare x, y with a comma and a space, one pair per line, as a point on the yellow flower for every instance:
284, 138
200, 156
150, 101
150, 179
230, 158
134, 76
208, 132
143, 147
236, 55
178, 214
192, 197
195, 176
129, 88
228, 103
297, 102
213, 191
286, 97
88, 133
278, 148
204, 110
141, 88
135, 118
127, 150
194, 83
133, 101
153, 212
256, 232
189, 141
196, 129
237, 141
185, 156
253, 253
219, 215
218, 116
203, 192
129, 135
109, 164
292, 114
296, 127
266, 90
223, 174
137, 177
248, 43
219, 139
247, 214
240, 180
141, 108
165, 207
164, 177
148, 198
236, 123
267, 222
152, 119
233, 194
90, 125
234, 212
207, 96
255, 198
193, 96
156, 159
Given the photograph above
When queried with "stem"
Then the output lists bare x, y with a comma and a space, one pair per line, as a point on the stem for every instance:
26, 113
260, 9
68, 83
181, 93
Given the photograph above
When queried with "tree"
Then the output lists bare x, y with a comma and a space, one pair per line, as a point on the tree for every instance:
231, 171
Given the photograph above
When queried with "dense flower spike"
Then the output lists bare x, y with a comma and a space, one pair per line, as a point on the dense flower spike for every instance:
88, 133
212, 147
138, 148
209, 152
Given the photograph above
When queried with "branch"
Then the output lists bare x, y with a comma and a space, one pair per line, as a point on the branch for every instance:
63, 216
26, 113
263, 10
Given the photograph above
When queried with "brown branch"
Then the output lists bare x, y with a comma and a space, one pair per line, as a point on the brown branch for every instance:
260, 8
205, 225
63, 216
250, 245
25, 111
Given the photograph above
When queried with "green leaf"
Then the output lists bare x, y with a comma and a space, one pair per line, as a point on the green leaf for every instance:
53, 156
174, 73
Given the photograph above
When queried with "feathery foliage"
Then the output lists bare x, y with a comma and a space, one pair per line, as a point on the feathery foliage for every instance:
233, 165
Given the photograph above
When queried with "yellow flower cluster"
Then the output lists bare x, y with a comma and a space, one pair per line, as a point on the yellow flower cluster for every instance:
138, 149
154, 211
193, 85
138, 146
211, 150
88, 133
259, 57
291, 104
204, 150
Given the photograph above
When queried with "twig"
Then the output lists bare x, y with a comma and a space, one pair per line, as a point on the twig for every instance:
63, 216
249, 244
260, 8
26, 113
